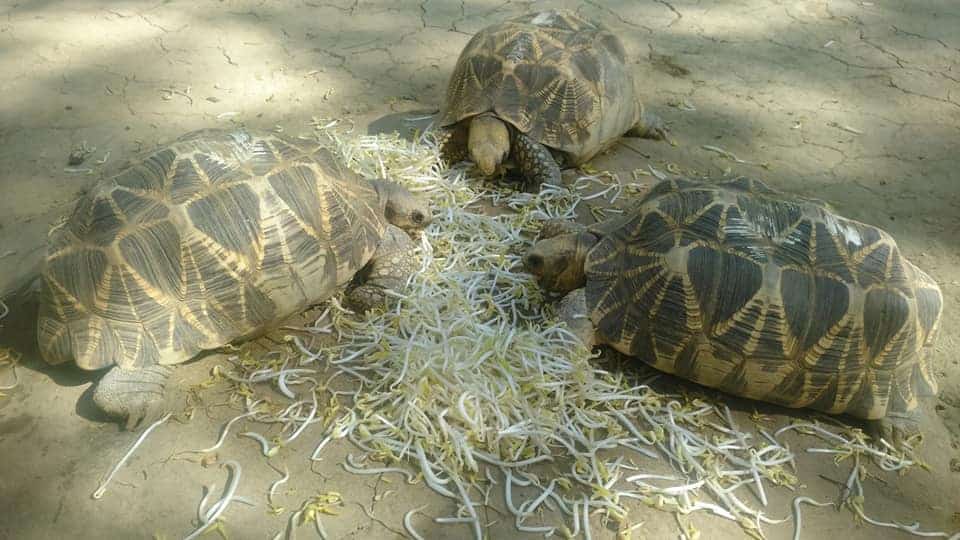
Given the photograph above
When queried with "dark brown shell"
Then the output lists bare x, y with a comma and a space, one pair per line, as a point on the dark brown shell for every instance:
737, 287
559, 78
203, 241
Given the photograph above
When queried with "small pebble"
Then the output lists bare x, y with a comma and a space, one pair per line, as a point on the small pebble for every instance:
76, 157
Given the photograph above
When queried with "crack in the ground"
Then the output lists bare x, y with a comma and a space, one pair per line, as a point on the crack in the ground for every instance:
901, 62
671, 8
798, 20
343, 60
250, 13
153, 24
856, 112
700, 33
949, 78
118, 14
484, 16
948, 100
599, 5
806, 140
373, 518
453, 24
899, 30
348, 10
828, 55
896, 58
405, 35
223, 51
345, 66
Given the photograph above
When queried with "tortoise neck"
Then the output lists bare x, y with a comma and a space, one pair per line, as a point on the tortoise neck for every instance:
383, 189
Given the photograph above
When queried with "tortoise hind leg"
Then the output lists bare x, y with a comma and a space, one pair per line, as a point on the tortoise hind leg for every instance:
391, 266
650, 126
136, 395
535, 162
898, 428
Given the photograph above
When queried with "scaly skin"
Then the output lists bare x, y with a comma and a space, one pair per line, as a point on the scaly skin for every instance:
898, 428
137, 395
535, 162
650, 126
453, 144
556, 227
391, 266
573, 312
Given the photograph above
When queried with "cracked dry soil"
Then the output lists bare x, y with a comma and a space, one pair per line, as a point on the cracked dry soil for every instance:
854, 102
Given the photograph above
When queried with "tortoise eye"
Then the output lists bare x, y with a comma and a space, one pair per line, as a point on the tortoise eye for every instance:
417, 218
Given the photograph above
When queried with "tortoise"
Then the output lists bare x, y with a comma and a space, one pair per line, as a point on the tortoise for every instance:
210, 239
740, 288
538, 88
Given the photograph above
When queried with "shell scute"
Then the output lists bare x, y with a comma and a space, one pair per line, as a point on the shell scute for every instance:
204, 241
778, 299
553, 75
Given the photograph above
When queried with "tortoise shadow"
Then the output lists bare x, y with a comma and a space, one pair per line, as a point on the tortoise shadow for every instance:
18, 333
407, 124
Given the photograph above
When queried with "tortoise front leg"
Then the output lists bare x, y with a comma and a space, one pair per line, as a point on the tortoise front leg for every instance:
535, 162
556, 227
650, 126
137, 396
573, 311
390, 268
453, 144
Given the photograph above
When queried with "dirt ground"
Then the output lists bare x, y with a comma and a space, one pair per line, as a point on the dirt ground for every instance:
854, 102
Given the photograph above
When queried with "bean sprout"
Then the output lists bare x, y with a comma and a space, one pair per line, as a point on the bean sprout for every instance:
220, 506
143, 436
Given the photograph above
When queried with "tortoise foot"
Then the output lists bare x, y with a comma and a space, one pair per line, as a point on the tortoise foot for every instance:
898, 429
366, 297
650, 126
135, 396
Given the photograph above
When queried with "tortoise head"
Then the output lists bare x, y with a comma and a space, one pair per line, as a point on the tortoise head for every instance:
488, 143
402, 208
558, 262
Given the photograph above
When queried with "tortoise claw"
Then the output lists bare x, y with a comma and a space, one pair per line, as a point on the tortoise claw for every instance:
557, 226
573, 311
900, 430
650, 126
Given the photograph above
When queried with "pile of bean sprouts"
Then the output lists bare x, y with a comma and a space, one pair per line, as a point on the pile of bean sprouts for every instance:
468, 382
